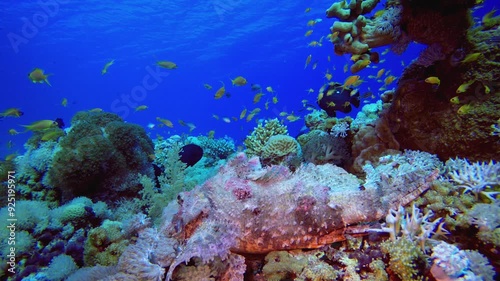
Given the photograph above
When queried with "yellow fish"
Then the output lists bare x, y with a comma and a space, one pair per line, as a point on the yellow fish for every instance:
257, 97
464, 109
215, 116
239, 81
167, 64
275, 99
269, 89
308, 61
380, 73
359, 65
455, 100
38, 76
328, 75
106, 66
64, 102
471, 57
350, 80
220, 92
292, 118
433, 80
310, 90
207, 86
389, 79
243, 113
13, 132
40, 125
255, 110
141, 108
488, 21
311, 22
10, 157
379, 13
250, 116
463, 88
191, 126
308, 33
486, 89
12, 112
165, 122
314, 44
307, 10
52, 135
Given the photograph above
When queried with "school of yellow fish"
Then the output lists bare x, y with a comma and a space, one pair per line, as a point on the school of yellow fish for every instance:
266, 96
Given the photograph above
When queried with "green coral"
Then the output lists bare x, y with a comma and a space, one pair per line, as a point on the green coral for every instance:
278, 148
282, 265
99, 152
260, 135
104, 244
406, 259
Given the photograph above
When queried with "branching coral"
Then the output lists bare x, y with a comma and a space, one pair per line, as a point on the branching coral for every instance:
478, 178
415, 227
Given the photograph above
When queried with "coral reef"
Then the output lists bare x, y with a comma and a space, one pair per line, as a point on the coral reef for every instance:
246, 208
100, 157
454, 118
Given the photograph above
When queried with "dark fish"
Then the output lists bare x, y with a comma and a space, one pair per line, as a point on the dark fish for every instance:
60, 123
339, 100
191, 154
256, 87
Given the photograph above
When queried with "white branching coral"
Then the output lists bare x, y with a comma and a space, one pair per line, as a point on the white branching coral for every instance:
477, 178
416, 226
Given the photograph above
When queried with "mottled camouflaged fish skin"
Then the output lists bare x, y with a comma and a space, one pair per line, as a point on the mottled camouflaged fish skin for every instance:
272, 209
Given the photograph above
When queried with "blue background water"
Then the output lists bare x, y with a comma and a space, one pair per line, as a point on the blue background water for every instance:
211, 41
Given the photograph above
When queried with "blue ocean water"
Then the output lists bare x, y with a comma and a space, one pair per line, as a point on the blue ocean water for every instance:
211, 41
